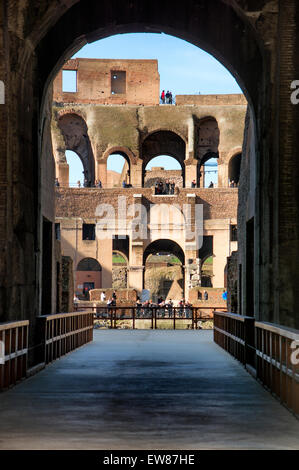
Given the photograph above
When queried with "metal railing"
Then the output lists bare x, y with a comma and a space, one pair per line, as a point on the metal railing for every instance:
277, 362
14, 352
235, 334
65, 332
114, 315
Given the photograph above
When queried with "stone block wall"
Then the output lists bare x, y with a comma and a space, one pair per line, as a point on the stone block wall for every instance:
123, 295
232, 282
119, 277
196, 297
67, 285
152, 176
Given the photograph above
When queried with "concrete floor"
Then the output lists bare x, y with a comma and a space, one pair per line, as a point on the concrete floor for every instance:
145, 390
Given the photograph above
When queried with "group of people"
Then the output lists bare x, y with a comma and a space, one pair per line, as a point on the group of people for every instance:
90, 184
232, 184
164, 308
167, 188
223, 295
194, 184
110, 302
166, 97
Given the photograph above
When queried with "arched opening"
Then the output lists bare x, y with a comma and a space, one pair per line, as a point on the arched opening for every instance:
166, 170
118, 170
63, 30
210, 173
207, 272
208, 136
75, 169
164, 270
88, 276
119, 270
234, 168
163, 143
75, 134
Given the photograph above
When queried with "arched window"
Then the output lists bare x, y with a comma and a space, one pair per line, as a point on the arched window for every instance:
165, 169
75, 134
88, 277
76, 169
210, 173
234, 168
118, 171
207, 272
164, 273
160, 144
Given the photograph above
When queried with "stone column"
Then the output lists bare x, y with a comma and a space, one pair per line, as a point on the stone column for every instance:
221, 252
222, 171
190, 161
105, 259
137, 238
190, 172
63, 174
101, 172
136, 174
135, 278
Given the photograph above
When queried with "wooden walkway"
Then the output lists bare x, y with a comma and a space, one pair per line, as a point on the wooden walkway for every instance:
145, 389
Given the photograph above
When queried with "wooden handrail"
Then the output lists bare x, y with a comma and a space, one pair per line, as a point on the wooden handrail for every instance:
234, 316
14, 324
14, 336
290, 333
275, 368
64, 332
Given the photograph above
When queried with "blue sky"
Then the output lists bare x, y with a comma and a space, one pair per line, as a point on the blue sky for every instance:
183, 69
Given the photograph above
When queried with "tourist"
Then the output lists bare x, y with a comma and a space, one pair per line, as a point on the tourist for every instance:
86, 292
138, 308
232, 184
167, 187
161, 187
114, 296
193, 184
169, 306
167, 97
79, 183
99, 184
76, 301
211, 185
163, 97
170, 97
103, 296
172, 187
156, 187
188, 309
124, 185
224, 295
205, 295
161, 305
199, 176
57, 182
181, 307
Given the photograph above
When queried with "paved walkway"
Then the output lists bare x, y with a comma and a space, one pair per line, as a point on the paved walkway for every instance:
145, 390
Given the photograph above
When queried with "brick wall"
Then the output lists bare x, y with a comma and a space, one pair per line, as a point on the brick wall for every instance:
219, 203
196, 297
94, 82
213, 100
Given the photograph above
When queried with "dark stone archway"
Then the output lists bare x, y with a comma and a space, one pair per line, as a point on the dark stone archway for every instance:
163, 142
75, 134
